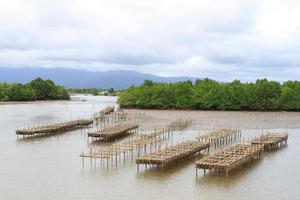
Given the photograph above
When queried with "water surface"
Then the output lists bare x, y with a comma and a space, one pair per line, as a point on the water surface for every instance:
50, 167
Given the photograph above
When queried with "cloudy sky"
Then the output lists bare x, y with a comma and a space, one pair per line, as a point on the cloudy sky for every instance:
222, 39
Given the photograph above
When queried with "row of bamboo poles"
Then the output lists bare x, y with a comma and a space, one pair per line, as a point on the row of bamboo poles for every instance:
185, 149
109, 114
221, 162
115, 117
137, 145
240, 154
148, 147
221, 137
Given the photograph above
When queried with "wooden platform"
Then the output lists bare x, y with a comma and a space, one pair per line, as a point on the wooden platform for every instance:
110, 133
220, 136
230, 158
271, 140
55, 128
172, 153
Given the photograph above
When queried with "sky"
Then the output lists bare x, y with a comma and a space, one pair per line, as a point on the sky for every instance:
221, 39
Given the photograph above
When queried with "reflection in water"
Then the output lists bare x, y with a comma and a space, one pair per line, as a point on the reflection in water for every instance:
50, 167
220, 180
164, 173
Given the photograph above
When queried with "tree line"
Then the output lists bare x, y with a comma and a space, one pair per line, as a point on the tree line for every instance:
37, 89
207, 94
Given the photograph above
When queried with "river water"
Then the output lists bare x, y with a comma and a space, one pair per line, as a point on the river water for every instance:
50, 167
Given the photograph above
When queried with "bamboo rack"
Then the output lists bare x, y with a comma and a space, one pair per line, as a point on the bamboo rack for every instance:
140, 143
230, 158
220, 137
112, 117
55, 128
173, 153
121, 148
107, 110
113, 132
271, 140
179, 124
125, 149
118, 116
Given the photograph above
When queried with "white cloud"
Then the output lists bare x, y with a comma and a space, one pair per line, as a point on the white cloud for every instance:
224, 40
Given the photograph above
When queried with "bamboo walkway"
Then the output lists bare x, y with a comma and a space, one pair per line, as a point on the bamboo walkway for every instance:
113, 132
230, 158
271, 140
221, 136
54, 128
173, 153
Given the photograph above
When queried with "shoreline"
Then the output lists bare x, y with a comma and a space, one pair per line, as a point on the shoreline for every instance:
196, 110
74, 98
176, 109
32, 102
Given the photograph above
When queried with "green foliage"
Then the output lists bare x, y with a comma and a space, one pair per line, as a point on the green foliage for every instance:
37, 89
206, 94
95, 92
290, 95
111, 90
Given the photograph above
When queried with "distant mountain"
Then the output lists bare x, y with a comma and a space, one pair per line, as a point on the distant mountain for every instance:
75, 78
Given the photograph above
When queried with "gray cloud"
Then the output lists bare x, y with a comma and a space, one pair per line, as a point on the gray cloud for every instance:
242, 39
229, 60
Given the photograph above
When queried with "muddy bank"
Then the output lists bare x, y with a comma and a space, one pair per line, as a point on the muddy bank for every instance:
220, 119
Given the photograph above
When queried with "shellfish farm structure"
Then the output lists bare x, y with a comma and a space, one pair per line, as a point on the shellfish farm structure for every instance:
140, 144
230, 158
110, 133
125, 149
55, 128
221, 136
107, 110
114, 117
172, 154
271, 140
179, 124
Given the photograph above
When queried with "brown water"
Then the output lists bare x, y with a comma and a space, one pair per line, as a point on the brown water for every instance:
50, 167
